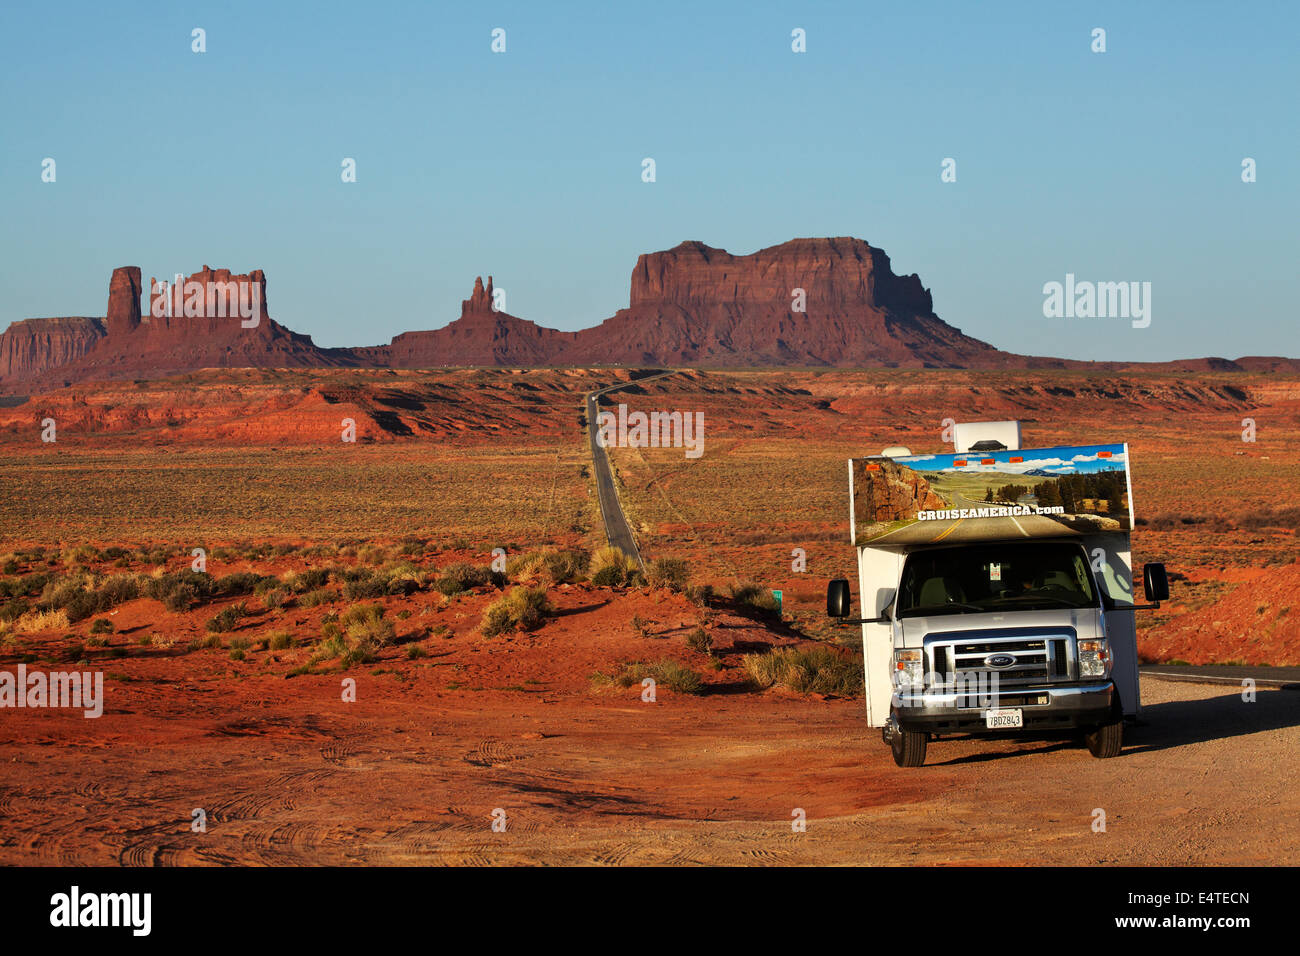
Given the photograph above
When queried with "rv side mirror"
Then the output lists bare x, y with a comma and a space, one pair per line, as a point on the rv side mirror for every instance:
1155, 582
837, 598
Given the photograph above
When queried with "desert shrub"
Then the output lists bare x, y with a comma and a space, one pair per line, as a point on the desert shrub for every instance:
610, 567
42, 621
276, 597
817, 670
671, 573
665, 672
300, 582
59, 592
278, 640
365, 630
565, 567
227, 619
82, 606
555, 566
13, 610
402, 583
102, 625
524, 567
367, 584
239, 582
699, 594
749, 595
521, 608
700, 640
461, 576
82, 554
359, 653
366, 622
265, 584
118, 589
35, 582
318, 597
79, 598
178, 590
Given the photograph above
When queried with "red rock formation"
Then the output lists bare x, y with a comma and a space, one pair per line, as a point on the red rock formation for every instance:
480, 336
131, 345
890, 492
694, 304
223, 292
31, 347
123, 301
690, 305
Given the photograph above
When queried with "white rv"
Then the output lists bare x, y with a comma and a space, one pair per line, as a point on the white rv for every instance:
998, 584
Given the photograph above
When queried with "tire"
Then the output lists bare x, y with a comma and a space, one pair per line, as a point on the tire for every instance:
1108, 739
908, 747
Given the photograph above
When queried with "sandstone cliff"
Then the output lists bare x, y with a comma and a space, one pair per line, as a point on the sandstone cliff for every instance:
31, 347
45, 353
807, 302
697, 305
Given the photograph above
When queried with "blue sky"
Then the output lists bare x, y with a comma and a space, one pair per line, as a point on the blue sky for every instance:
1121, 166
1062, 460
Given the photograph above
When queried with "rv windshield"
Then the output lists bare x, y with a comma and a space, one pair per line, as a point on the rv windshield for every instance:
998, 576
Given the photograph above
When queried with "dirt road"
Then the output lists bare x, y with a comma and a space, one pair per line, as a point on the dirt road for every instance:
286, 773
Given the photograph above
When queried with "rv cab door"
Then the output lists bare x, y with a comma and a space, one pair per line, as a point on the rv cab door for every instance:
878, 576
1112, 565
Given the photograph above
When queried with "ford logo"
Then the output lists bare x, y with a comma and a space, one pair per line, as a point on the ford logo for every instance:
999, 660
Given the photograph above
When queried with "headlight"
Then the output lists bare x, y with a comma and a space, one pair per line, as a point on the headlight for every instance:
908, 669
1094, 657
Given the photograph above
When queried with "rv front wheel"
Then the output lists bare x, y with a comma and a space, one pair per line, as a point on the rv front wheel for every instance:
1108, 739
908, 747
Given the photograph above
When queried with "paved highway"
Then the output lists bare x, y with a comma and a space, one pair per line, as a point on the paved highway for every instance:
617, 531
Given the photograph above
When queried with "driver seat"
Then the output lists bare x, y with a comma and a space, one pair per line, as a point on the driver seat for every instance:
937, 590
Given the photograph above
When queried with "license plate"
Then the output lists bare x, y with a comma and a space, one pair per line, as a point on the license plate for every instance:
1003, 719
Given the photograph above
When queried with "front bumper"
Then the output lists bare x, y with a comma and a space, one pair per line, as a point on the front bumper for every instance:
1069, 706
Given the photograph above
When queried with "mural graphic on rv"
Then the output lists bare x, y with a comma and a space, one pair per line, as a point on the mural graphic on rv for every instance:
989, 495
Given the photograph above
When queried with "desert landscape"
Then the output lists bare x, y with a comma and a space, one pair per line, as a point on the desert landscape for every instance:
361, 605
450, 562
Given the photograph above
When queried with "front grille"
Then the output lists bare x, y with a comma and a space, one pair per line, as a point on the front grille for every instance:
1040, 656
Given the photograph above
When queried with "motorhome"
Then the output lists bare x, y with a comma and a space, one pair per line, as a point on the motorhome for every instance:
997, 591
